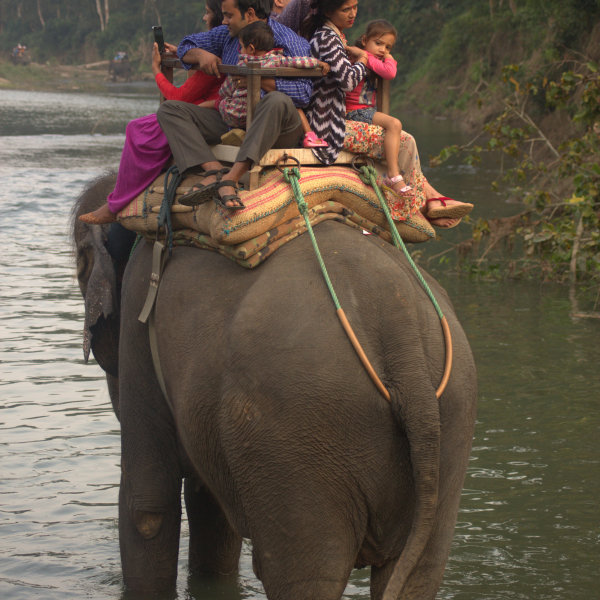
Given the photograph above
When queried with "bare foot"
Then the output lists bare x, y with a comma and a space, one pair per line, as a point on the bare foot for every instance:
442, 222
99, 217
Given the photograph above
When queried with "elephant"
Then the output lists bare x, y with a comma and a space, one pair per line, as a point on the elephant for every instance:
120, 68
277, 431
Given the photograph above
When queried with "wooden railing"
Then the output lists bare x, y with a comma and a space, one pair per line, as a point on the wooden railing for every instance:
254, 72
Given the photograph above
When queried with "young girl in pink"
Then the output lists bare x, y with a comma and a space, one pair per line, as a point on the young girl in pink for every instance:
376, 42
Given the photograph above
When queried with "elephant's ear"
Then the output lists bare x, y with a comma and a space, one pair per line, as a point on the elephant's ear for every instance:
98, 283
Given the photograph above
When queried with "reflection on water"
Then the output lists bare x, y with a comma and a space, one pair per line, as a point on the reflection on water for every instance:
528, 523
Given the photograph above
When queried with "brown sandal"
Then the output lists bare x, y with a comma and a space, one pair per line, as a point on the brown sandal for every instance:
220, 201
203, 193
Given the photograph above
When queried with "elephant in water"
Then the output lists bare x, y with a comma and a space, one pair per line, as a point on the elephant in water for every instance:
279, 433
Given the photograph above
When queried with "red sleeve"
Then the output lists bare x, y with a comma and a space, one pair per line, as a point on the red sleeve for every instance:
385, 69
197, 88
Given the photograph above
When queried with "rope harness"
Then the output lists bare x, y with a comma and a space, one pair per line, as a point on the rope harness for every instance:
368, 176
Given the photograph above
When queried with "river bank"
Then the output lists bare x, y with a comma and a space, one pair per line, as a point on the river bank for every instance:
91, 78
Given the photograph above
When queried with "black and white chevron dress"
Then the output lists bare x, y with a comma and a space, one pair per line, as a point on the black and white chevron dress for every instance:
326, 112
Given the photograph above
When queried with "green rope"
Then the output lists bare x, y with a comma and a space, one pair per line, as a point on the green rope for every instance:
137, 241
368, 175
292, 178
164, 216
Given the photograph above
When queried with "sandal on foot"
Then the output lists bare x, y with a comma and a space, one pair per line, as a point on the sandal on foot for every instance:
203, 193
312, 141
92, 219
456, 211
220, 200
389, 182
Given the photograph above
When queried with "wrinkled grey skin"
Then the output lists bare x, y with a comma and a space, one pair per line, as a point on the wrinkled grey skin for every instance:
279, 433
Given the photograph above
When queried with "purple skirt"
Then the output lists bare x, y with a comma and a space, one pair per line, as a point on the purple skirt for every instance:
145, 154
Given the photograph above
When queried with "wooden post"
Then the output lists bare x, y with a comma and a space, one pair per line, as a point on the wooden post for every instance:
254, 81
383, 95
168, 73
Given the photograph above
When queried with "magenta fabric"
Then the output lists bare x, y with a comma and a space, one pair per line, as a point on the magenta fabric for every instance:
145, 154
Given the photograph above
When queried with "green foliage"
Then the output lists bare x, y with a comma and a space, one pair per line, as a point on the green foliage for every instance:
559, 234
73, 31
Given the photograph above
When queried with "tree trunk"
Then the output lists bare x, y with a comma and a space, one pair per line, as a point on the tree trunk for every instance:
106, 13
575, 251
492, 10
20, 10
99, 9
513, 6
40, 15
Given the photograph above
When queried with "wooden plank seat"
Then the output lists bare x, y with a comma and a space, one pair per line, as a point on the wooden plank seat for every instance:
254, 72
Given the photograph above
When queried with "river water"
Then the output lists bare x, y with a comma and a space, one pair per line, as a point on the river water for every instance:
528, 526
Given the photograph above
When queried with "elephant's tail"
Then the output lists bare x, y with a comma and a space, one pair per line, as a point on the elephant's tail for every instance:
421, 421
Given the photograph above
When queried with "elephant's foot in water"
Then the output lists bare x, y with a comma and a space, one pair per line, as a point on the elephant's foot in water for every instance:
214, 545
149, 543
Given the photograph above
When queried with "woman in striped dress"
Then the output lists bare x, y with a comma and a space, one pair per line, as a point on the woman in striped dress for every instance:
327, 109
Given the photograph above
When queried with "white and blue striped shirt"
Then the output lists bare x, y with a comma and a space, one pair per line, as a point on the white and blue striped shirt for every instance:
217, 41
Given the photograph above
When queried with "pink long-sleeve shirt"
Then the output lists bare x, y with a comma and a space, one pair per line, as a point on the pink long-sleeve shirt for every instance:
363, 95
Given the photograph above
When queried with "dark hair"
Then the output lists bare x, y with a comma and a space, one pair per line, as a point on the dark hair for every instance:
262, 8
375, 29
314, 21
215, 7
259, 34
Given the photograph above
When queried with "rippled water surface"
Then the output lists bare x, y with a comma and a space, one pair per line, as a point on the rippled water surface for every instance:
528, 526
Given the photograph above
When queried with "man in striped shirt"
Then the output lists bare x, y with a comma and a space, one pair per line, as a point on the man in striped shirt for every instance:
275, 124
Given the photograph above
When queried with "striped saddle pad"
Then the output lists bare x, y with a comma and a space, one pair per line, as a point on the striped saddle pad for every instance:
271, 217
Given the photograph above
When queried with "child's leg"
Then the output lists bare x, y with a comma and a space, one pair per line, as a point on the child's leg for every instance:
310, 138
305, 124
391, 145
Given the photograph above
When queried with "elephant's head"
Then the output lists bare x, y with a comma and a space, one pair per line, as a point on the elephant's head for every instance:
97, 282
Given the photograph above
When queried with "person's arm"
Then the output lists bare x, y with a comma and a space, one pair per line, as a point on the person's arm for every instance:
299, 62
331, 50
384, 68
203, 49
194, 89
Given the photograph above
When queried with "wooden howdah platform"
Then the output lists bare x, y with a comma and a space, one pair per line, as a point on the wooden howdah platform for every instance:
254, 73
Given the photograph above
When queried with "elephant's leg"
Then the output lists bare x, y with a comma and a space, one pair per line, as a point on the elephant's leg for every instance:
151, 473
149, 542
379, 579
308, 567
214, 546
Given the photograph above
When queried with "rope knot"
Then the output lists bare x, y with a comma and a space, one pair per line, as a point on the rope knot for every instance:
291, 176
368, 175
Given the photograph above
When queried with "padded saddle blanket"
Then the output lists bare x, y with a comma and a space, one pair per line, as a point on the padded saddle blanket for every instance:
271, 217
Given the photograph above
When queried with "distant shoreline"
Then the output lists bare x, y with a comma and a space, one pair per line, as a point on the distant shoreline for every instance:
69, 78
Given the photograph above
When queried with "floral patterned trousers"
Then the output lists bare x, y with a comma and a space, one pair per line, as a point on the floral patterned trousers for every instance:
362, 138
